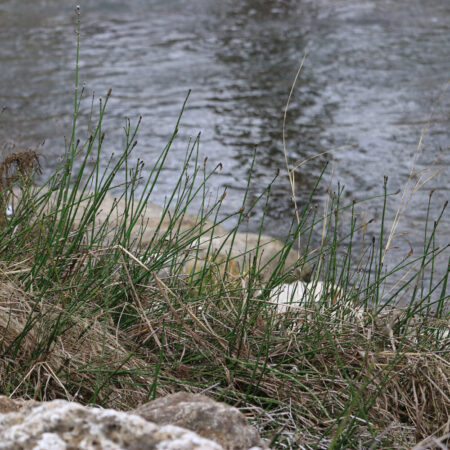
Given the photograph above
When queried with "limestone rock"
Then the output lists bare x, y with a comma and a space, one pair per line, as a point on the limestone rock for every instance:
213, 420
215, 238
315, 296
62, 425
292, 296
243, 249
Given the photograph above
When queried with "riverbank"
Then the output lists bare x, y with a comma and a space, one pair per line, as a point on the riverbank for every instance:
97, 310
107, 300
378, 105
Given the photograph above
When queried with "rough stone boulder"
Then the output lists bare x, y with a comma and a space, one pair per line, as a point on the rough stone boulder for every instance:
62, 425
213, 420
180, 421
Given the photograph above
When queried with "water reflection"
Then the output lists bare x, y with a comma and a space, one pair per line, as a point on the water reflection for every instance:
261, 44
373, 74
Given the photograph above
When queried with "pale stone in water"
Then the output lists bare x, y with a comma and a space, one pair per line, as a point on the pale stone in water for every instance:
302, 296
241, 248
290, 296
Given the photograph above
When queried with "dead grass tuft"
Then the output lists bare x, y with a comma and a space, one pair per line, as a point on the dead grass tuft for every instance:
18, 166
302, 377
56, 353
318, 373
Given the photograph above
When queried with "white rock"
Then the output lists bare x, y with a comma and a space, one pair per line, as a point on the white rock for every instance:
296, 295
60, 425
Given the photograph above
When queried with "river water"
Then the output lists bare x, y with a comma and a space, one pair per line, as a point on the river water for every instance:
375, 71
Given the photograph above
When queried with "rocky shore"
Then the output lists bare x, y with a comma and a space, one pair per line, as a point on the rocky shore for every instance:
181, 421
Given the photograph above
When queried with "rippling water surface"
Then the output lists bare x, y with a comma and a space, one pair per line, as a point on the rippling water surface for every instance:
374, 73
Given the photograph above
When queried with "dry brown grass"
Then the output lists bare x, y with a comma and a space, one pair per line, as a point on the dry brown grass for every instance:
98, 325
82, 345
313, 380
18, 166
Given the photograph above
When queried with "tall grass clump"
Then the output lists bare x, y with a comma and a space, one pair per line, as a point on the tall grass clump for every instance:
104, 301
